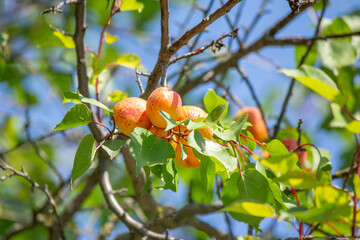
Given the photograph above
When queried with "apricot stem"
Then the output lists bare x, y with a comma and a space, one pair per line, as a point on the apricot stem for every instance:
247, 149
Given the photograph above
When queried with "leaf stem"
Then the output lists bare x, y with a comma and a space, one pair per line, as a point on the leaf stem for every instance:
252, 139
111, 132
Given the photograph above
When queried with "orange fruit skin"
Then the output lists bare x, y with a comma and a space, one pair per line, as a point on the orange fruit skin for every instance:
191, 161
291, 144
194, 113
166, 100
159, 132
258, 128
130, 113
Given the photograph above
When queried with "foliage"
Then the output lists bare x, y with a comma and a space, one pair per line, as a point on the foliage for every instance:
253, 181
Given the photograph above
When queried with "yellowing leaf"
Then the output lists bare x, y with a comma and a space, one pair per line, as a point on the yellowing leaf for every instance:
67, 41
356, 182
110, 39
132, 5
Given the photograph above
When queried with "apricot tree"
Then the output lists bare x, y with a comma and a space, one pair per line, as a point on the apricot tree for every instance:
159, 160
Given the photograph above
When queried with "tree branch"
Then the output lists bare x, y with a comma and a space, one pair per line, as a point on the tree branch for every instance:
165, 57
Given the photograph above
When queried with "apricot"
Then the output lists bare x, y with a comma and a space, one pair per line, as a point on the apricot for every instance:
194, 113
166, 100
191, 161
130, 113
291, 144
159, 132
258, 128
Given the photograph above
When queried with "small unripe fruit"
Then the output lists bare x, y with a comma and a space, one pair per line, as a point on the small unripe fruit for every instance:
130, 113
194, 113
159, 132
191, 161
258, 128
291, 144
166, 100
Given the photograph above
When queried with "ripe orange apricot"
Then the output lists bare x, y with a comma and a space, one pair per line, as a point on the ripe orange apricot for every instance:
194, 113
258, 128
159, 132
166, 100
291, 144
130, 113
191, 161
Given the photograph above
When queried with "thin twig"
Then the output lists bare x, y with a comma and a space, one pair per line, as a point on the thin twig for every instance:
216, 44
57, 9
184, 39
292, 84
34, 184
251, 88
138, 81
60, 31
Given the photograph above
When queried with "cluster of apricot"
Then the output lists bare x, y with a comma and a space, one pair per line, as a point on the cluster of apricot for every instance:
135, 112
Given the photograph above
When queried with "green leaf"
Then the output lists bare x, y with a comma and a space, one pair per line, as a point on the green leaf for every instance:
113, 147
253, 187
232, 133
78, 115
212, 149
83, 157
98, 65
207, 171
251, 208
354, 126
212, 100
300, 52
116, 96
336, 53
338, 121
132, 5
318, 81
67, 41
170, 176
299, 179
217, 113
147, 150
76, 97
129, 60
356, 182
313, 215
171, 123
325, 195
110, 39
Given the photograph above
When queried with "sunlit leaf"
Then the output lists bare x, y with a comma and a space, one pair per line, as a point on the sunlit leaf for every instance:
232, 133
83, 157
251, 208
116, 96
212, 100
318, 81
67, 41
299, 179
353, 126
129, 60
78, 115
338, 121
110, 39
212, 149
76, 97
132, 5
